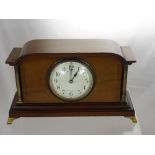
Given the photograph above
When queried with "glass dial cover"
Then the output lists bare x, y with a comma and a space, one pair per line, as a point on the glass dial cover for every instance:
71, 80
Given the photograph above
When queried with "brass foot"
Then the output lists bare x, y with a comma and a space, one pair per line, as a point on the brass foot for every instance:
133, 119
10, 120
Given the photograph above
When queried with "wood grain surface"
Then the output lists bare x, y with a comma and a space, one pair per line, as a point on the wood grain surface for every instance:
34, 77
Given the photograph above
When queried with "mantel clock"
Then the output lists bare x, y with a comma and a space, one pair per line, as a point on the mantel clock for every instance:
71, 77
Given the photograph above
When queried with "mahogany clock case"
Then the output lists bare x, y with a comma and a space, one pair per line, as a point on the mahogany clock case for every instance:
33, 63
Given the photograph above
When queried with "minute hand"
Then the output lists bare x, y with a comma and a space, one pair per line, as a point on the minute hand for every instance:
74, 75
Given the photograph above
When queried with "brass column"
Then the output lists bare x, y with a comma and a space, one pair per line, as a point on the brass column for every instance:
18, 85
125, 71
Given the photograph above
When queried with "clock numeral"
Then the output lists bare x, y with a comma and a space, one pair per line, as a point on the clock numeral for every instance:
58, 87
64, 69
70, 94
55, 80
57, 74
71, 67
86, 80
79, 91
84, 87
63, 91
84, 74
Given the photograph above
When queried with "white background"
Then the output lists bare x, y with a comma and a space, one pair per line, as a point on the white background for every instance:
129, 23
139, 36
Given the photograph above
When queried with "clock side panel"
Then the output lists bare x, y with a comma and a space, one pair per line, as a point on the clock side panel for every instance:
34, 72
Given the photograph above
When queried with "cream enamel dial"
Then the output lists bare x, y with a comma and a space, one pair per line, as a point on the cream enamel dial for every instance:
71, 80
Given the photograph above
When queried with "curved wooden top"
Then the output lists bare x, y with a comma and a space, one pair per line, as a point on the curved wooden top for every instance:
46, 46
71, 46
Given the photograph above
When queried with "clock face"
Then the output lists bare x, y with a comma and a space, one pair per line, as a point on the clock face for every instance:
71, 80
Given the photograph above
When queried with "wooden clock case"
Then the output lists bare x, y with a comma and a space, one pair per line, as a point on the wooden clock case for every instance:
34, 61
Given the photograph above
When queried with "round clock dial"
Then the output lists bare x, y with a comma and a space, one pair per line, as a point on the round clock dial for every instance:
71, 80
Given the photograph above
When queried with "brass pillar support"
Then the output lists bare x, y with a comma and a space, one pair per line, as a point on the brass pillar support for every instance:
125, 71
10, 120
19, 99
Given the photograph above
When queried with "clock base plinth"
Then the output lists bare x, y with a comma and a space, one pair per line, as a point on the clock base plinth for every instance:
76, 109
